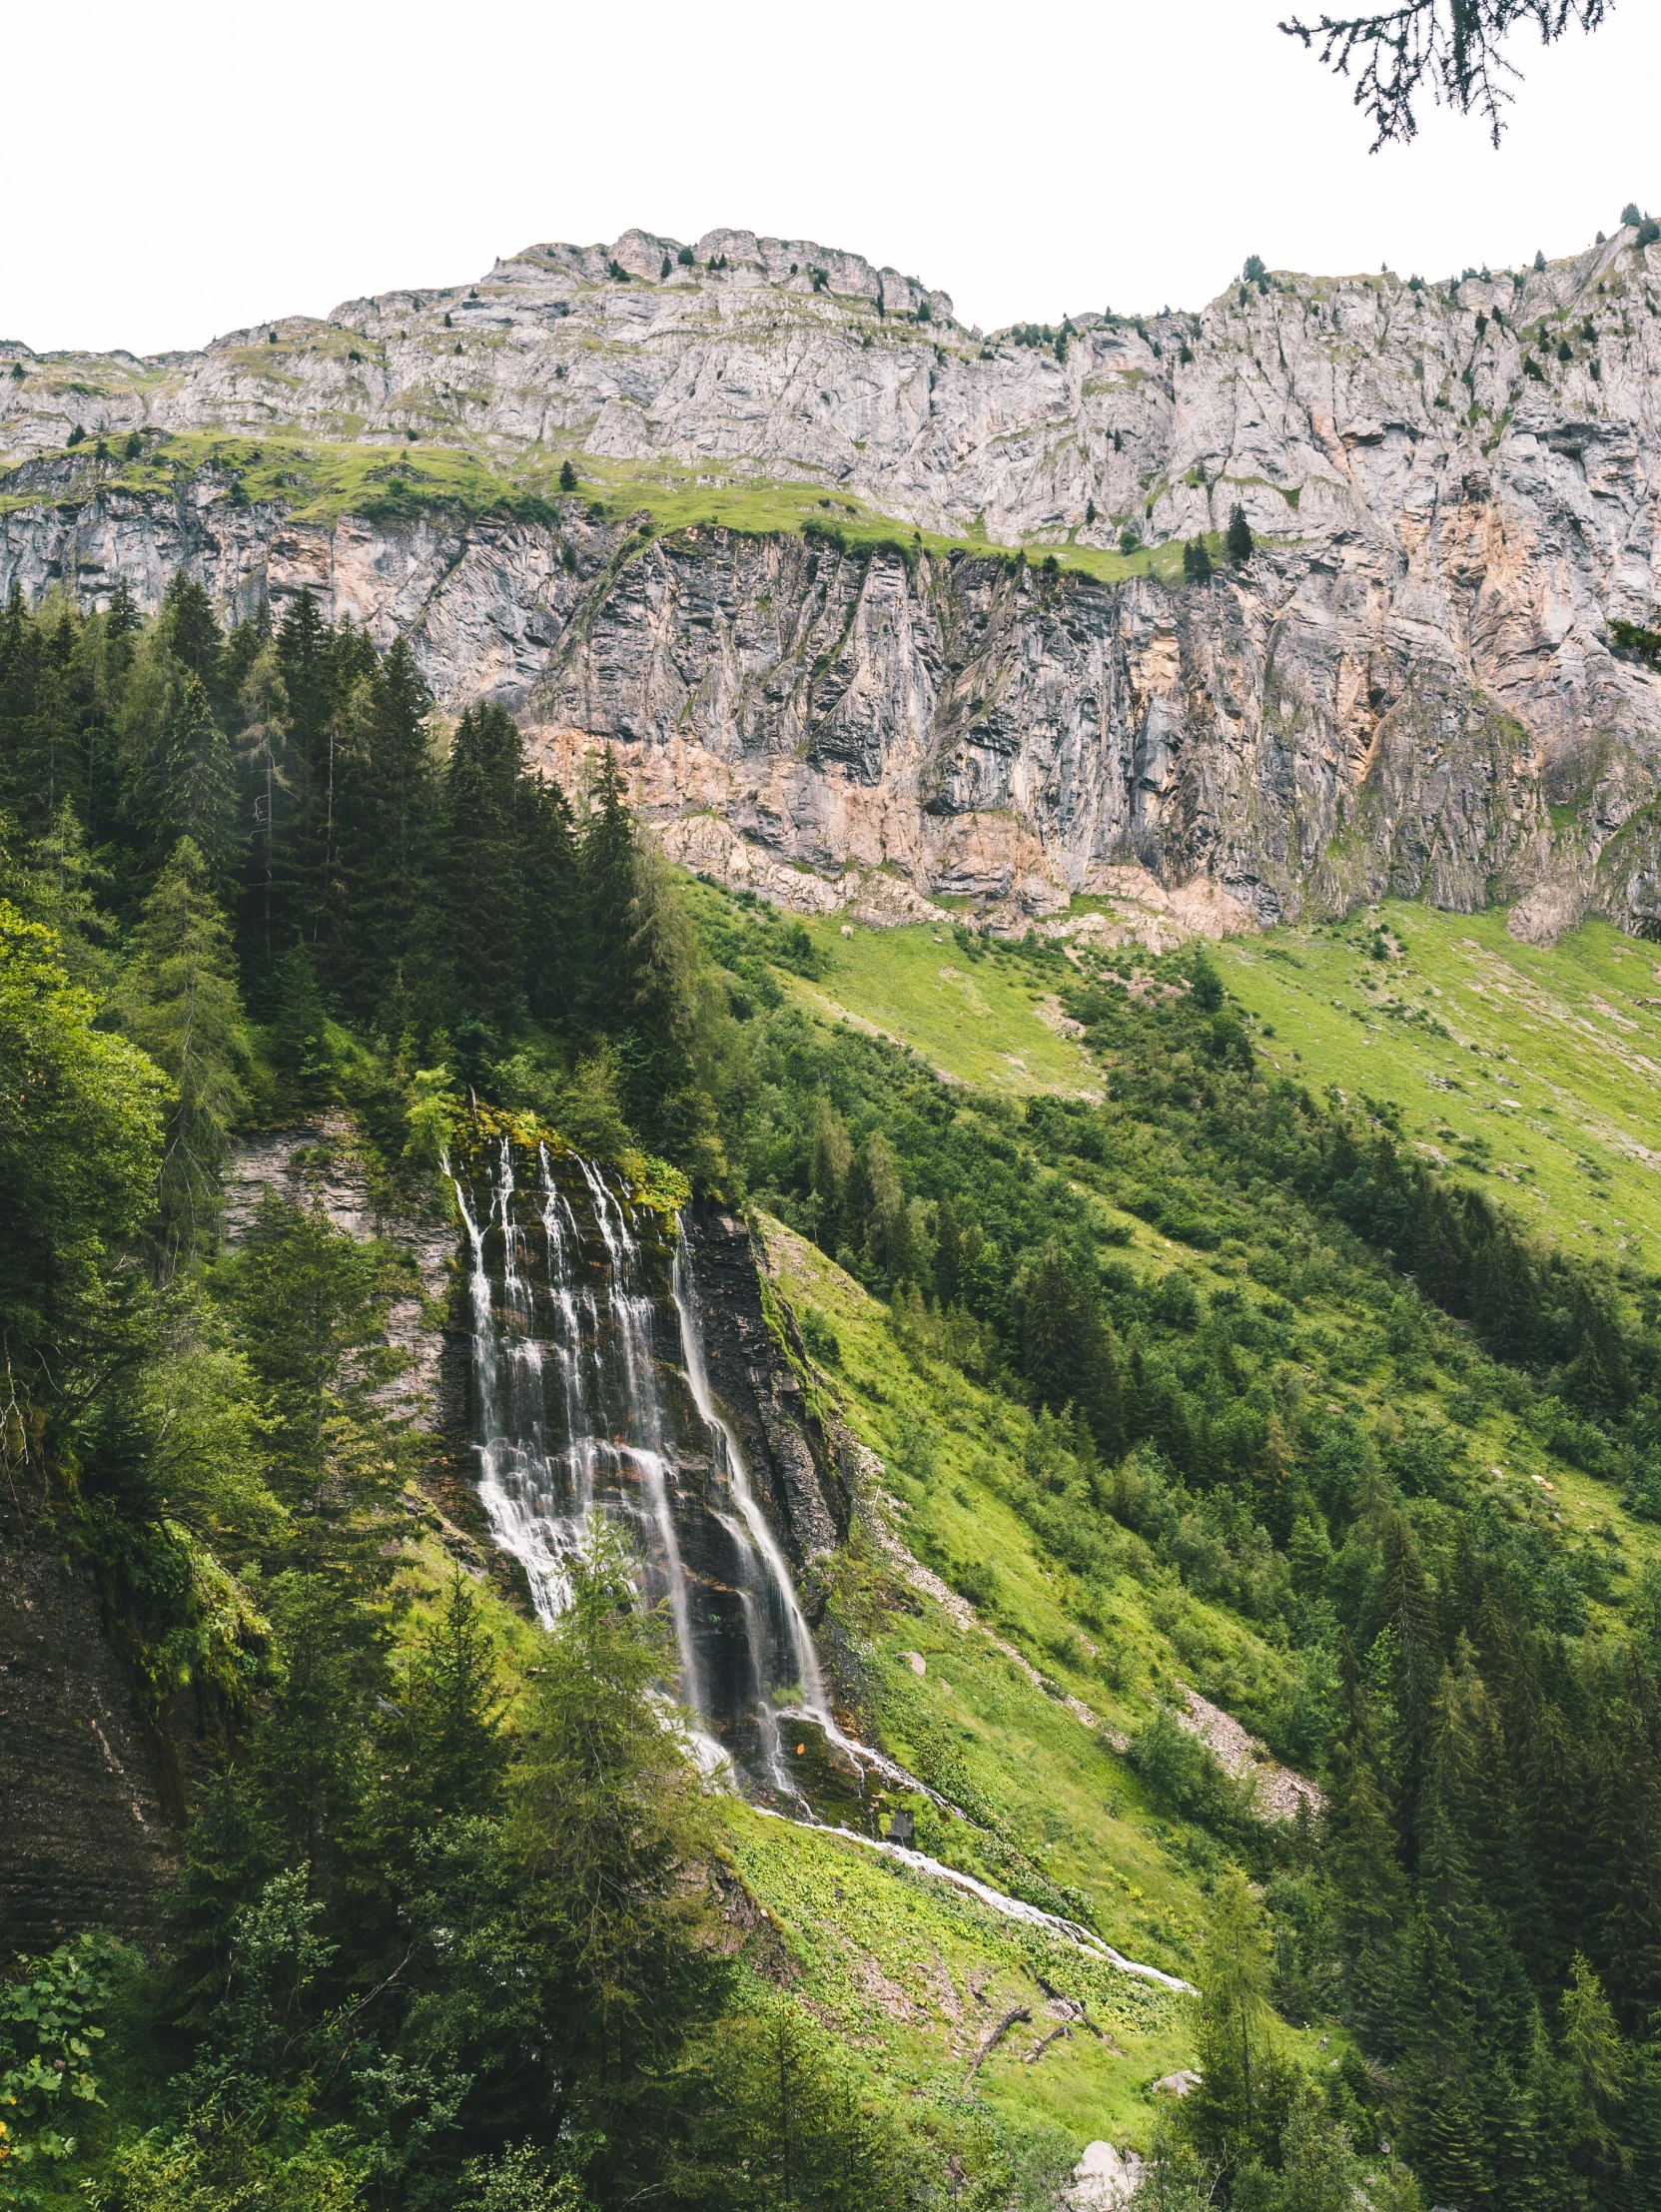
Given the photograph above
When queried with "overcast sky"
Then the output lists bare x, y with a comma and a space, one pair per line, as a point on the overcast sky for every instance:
175, 170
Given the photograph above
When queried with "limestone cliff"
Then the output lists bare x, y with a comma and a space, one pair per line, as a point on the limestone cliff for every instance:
1409, 687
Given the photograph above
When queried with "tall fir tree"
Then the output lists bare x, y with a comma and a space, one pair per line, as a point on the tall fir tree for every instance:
486, 862
180, 1002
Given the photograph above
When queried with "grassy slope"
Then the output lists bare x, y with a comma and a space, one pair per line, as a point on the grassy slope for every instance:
980, 1023
889, 1958
1534, 1021
1546, 1082
320, 479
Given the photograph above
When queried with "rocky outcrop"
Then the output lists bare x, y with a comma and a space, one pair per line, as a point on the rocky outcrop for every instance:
91, 1799
792, 1463
1411, 688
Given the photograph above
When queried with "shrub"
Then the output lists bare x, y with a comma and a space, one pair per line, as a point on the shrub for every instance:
1128, 541
822, 1342
76, 435
687, 257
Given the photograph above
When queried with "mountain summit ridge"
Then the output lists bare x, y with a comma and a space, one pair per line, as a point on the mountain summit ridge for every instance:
1410, 686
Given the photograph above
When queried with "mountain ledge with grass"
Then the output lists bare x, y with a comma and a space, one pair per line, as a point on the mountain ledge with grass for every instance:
804, 581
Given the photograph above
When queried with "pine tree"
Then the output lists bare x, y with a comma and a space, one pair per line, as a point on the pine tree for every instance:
830, 1163
310, 1304
486, 862
609, 900
191, 633
297, 1035
1236, 2111
390, 845
447, 1735
1240, 544
1596, 2072
180, 771
270, 802
180, 1002
552, 923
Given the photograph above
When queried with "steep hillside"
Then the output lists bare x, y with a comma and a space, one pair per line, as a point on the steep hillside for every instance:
1410, 689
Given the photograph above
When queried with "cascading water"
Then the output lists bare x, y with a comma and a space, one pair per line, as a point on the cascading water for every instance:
590, 1394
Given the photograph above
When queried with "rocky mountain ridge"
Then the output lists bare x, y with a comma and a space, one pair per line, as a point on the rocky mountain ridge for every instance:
1411, 687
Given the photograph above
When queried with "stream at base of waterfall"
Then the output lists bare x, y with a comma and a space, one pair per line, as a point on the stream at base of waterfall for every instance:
589, 1395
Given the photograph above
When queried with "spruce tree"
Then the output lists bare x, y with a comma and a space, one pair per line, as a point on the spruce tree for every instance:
193, 636
180, 1002
390, 931
552, 922
297, 1035
1196, 562
1239, 542
181, 779
830, 1164
486, 863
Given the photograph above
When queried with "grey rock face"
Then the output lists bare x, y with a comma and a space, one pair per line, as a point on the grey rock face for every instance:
1409, 688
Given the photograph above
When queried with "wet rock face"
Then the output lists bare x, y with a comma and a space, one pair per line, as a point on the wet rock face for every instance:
90, 1801
792, 1464
1410, 689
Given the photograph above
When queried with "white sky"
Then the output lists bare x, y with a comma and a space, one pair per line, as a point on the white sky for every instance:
176, 169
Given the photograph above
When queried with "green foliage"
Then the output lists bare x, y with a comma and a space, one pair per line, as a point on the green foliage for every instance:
50, 2014
1240, 543
80, 1141
1196, 562
180, 1002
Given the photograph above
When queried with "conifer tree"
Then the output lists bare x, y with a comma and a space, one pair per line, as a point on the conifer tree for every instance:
270, 806
387, 929
180, 1002
297, 1035
552, 922
180, 771
486, 862
191, 633
1235, 2113
831, 1161
611, 917
1240, 544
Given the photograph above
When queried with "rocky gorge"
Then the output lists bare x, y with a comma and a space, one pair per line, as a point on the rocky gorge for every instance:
877, 609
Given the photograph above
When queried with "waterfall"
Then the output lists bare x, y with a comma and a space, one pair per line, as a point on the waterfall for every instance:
590, 1394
